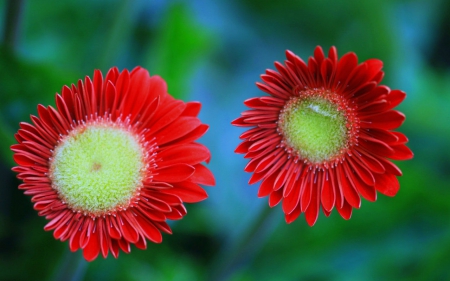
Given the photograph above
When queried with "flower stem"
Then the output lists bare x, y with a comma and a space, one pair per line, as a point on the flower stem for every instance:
72, 267
248, 241
14, 11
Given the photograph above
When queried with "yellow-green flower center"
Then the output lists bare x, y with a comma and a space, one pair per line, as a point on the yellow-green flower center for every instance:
314, 127
98, 168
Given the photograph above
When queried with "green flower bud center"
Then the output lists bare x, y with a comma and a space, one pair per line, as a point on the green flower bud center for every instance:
98, 168
314, 127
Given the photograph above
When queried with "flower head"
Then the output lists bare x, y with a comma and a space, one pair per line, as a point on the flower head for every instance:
113, 161
324, 137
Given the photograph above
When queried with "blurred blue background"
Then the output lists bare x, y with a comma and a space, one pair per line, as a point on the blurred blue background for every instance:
214, 52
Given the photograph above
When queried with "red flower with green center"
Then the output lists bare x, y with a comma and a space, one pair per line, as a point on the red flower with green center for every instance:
113, 161
324, 136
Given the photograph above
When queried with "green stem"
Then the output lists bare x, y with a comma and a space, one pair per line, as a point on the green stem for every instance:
72, 267
249, 239
14, 9
6, 139
117, 32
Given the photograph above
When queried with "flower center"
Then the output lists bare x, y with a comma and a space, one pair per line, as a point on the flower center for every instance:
98, 168
314, 127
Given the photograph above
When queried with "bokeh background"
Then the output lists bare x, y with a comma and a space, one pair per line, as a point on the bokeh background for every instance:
214, 52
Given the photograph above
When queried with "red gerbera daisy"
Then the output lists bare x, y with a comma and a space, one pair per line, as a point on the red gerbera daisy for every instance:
113, 161
323, 137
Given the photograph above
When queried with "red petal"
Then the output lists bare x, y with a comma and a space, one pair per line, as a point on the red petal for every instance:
112, 227
138, 96
256, 177
357, 78
327, 72
293, 174
337, 188
86, 232
319, 55
372, 94
192, 109
149, 229
28, 160
292, 200
387, 120
378, 77
281, 178
267, 185
60, 219
367, 191
177, 129
345, 211
105, 240
307, 190
251, 132
169, 199
273, 90
92, 249
390, 167
328, 196
279, 103
62, 231
98, 89
372, 163
269, 162
190, 154
155, 204
188, 192
122, 82
374, 67
239, 122
203, 175
350, 194
128, 230
395, 97
74, 242
293, 215
243, 147
191, 136
36, 148
325, 212
332, 54
124, 245
382, 135
163, 226
401, 138
141, 243
158, 85
361, 171
375, 147
312, 212
387, 184
177, 212
114, 248
283, 161
63, 109
170, 115
401, 152
173, 173
151, 214
345, 65
275, 197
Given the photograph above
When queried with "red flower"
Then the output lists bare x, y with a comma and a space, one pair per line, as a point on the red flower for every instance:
323, 137
113, 161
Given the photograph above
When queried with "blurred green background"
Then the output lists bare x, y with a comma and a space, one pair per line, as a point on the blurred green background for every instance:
214, 52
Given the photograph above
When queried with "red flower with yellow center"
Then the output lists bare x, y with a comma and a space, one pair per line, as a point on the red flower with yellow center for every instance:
113, 161
324, 136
